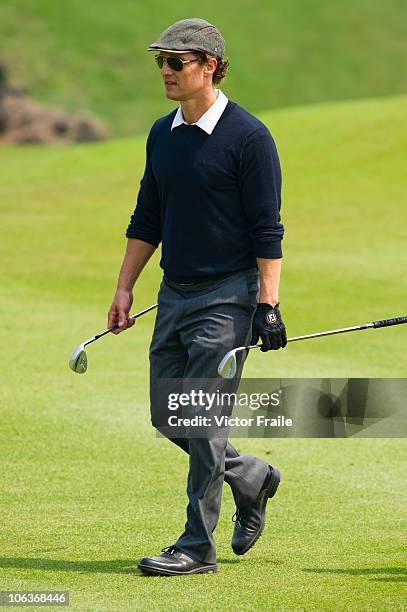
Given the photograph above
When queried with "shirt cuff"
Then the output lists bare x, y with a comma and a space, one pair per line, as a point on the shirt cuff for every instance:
268, 250
140, 236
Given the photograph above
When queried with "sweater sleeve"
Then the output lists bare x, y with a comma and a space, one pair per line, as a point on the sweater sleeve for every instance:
145, 222
260, 188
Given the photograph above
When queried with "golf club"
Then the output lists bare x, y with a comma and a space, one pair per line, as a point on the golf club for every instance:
228, 366
79, 361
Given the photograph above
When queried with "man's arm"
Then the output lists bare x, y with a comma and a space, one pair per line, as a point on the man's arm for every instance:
260, 188
269, 270
144, 236
267, 322
136, 256
260, 181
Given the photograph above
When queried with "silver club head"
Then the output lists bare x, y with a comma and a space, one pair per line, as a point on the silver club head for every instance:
228, 366
79, 362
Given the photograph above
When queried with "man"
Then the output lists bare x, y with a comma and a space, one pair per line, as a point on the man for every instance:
211, 195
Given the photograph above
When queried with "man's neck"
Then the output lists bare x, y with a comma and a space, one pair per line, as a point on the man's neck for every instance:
194, 108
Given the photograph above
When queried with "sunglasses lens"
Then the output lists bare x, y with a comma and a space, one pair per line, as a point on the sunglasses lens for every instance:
175, 63
160, 61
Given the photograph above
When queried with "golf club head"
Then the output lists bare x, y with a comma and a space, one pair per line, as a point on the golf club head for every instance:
79, 362
228, 365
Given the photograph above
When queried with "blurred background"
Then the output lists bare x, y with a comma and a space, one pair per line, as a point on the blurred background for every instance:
78, 56
85, 484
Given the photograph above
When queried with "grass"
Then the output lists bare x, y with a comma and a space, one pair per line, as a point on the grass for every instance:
71, 54
87, 489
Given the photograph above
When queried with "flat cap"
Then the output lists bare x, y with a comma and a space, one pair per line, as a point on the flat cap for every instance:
191, 35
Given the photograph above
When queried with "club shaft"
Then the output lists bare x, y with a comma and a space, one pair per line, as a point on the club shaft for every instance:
331, 332
342, 330
107, 331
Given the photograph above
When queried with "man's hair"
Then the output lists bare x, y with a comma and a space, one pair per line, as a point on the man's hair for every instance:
221, 67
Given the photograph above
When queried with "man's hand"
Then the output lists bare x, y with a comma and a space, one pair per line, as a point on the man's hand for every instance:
267, 324
119, 311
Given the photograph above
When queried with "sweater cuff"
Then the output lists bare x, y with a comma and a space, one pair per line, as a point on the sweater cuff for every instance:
268, 250
141, 236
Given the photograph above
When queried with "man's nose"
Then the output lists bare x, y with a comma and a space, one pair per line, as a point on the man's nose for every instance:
166, 70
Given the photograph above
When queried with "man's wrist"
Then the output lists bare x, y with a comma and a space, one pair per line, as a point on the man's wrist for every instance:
127, 288
268, 299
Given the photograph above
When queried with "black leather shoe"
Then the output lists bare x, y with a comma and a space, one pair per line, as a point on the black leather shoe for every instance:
174, 563
251, 519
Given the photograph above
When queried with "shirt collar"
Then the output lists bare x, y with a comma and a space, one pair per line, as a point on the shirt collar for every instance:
209, 119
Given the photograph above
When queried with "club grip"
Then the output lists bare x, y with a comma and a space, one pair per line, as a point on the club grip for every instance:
388, 322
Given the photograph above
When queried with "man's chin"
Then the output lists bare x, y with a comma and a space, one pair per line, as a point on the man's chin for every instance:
171, 96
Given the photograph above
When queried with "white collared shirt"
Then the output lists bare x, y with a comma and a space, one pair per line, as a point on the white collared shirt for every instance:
209, 119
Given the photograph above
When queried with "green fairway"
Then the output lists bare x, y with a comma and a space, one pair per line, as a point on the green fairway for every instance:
87, 489
73, 54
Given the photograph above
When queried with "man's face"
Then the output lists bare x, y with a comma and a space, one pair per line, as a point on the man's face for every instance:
193, 78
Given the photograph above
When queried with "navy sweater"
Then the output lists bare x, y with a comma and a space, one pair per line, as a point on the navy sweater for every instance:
212, 200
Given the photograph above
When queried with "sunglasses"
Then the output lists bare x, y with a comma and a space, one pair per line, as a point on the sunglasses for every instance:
175, 63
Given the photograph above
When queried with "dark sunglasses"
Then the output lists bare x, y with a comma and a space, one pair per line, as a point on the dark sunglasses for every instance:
175, 63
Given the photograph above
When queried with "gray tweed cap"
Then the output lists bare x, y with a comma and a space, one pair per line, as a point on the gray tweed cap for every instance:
191, 35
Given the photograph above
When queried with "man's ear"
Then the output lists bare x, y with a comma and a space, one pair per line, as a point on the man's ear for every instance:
210, 67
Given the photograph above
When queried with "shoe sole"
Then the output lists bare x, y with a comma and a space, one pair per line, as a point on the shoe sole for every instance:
271, 491
152, 571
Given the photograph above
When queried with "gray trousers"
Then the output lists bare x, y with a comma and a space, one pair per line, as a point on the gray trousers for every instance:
195, 326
